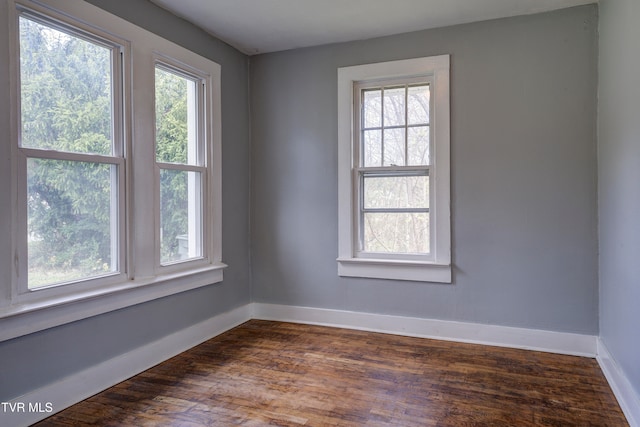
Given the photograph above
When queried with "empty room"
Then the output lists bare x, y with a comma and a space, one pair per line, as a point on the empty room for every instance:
319, 212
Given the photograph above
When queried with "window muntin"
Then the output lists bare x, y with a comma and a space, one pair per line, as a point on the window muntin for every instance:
180, 157
392, 128
70, 154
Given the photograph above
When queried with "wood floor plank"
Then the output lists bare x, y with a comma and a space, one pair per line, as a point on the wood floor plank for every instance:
285, 374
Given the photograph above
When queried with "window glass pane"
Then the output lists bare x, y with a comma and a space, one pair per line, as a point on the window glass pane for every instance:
396, 232
176, 118
66, 92
418, 105
180, 215
394, 110
394, 147
71, 232
418, 145
372, 108
372, 155
396, 192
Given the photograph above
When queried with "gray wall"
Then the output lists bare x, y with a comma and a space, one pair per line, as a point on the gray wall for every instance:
523, 175
35, 360
619, 175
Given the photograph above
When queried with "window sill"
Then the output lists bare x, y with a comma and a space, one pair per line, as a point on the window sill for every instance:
24, 318
394, 269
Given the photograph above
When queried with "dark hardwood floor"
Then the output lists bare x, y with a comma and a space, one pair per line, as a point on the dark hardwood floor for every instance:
272, 373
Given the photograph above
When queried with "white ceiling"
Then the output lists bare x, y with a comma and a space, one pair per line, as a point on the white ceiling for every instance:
259, 26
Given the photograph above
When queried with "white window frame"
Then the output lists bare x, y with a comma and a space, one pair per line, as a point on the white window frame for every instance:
203, 155
436, 267
21, 292
140, 277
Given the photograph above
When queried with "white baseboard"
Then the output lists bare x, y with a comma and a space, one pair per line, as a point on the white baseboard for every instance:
502, 336
84, 384
627, 398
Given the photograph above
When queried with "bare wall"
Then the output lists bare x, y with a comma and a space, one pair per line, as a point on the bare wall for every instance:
38, 359
619, 175
524, 239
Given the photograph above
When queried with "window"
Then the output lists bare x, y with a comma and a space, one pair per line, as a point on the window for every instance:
394, 170
180, 156
105, 202
70, 153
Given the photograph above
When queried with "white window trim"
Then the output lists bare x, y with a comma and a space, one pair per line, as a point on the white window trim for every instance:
204, 167
142, 278
438, 269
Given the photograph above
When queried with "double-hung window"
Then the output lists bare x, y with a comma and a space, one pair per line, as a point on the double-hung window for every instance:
394, 170
70, 155
115, 168
181, 162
